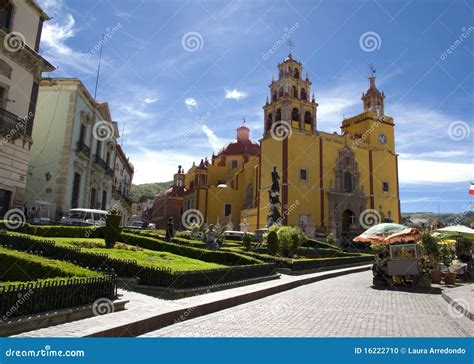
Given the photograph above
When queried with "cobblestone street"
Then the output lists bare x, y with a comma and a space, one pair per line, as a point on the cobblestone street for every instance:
343, 306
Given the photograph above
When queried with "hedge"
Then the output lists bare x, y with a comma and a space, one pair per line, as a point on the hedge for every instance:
20, 266
312, 243
305, 264
219, 257
53, 231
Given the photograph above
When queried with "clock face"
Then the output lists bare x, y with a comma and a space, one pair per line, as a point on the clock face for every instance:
382, 138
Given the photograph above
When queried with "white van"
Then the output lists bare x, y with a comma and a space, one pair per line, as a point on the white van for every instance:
84, 217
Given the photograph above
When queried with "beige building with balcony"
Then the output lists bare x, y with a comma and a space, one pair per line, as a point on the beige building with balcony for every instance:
21, 22
123, 175
75, 165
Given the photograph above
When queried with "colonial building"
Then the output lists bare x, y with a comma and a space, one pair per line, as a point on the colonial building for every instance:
330, 182
168, 203
21, 66
123, 175
77, 140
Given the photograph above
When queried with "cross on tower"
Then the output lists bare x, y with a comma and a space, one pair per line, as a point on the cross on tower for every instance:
371, 69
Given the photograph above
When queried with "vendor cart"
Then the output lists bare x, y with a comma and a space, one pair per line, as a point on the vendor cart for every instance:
404, 263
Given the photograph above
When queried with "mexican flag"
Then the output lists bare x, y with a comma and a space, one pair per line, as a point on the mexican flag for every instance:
471, 189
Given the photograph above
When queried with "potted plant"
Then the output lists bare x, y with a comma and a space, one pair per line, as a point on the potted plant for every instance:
431, 251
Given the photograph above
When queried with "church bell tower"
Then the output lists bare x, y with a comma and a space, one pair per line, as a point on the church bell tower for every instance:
290, 99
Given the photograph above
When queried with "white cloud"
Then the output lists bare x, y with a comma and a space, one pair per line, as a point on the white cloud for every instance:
54, 46
149, 100
190, 103
423, 171
235, 94
215, 142
164, 164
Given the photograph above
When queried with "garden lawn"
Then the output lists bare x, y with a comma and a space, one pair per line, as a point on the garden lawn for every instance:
144, 257
20, 268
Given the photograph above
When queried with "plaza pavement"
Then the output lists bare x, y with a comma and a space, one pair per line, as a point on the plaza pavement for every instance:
346, 306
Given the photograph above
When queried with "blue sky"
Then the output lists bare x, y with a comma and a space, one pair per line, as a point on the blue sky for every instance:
180, 75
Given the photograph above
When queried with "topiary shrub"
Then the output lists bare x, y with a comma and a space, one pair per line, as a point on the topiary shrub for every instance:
247, 241
112, 230
272, 242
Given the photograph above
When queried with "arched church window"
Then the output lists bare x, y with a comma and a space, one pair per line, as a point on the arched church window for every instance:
281, 73
307, 117
295, 91
280, 92
348, 182
295, 114
297, 73
303, 94
278, 115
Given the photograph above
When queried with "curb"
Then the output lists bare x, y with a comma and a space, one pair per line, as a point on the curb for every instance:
458, 306
169, 318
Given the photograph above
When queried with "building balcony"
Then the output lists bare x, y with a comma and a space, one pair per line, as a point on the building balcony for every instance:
12, 124
82, 147
103, 164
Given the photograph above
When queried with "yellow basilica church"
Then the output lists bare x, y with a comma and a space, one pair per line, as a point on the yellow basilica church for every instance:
329, 183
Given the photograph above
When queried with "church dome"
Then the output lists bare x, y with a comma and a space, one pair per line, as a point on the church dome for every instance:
241, 145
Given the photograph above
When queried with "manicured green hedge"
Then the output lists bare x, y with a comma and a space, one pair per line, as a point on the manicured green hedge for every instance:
20, 266
312, 243
53, 231
219, 257
322, 253
305, 264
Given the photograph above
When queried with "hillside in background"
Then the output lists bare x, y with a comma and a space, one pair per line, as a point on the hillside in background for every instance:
446, 218
140, 193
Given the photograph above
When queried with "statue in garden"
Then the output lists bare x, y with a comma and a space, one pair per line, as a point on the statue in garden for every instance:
274, 205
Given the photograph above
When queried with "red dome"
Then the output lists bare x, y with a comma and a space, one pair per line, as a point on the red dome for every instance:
240, 147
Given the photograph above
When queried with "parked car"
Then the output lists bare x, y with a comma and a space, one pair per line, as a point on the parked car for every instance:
137, 225
84, 217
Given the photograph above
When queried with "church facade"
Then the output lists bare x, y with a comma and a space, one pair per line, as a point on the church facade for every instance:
329, 183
